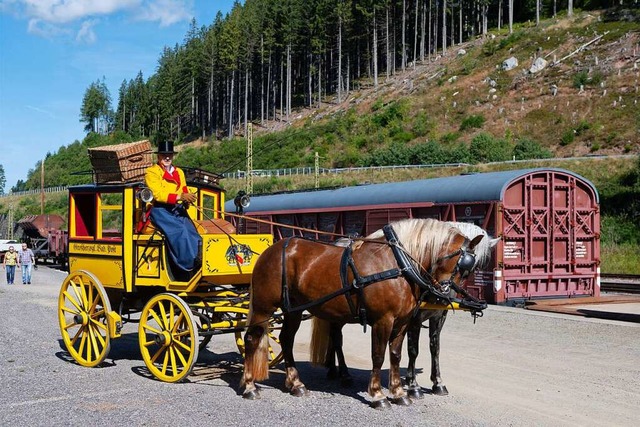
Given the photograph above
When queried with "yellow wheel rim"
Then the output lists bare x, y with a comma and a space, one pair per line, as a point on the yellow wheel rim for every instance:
275, 350
82, 313
168, 338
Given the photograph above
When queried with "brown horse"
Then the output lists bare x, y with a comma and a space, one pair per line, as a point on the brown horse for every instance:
326, 339
379, 282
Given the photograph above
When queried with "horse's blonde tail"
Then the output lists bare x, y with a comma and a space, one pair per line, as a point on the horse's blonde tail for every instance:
319, 341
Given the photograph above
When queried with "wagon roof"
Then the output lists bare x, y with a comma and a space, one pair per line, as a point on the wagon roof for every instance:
476, 187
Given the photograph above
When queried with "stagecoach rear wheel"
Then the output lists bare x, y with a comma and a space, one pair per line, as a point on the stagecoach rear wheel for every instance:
168, 337
275, 350
83, 307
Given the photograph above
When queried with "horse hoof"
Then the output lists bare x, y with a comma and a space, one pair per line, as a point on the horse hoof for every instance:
346, 382
401, 401
251, 395
380, 404
415, 393
440, 390
299, 391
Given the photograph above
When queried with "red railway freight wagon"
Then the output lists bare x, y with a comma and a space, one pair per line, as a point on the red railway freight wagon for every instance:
548, 221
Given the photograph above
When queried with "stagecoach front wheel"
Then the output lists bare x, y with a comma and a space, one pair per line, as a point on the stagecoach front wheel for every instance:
83, 307
168, 337
275, 350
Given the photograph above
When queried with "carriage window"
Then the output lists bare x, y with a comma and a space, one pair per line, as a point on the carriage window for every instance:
209, 205
83, 220
110, 218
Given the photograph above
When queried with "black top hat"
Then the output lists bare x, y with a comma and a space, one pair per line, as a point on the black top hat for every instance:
165, 147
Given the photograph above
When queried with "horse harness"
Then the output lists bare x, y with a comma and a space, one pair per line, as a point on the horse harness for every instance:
407, 269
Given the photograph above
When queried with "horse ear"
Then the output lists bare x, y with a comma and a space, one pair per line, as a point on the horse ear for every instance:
475, 241
494, 242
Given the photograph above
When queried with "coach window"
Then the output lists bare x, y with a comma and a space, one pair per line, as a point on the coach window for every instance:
210, 205
83, 215
110, 216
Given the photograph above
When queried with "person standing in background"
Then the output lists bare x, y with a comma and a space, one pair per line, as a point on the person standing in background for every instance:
26, 261
9, 264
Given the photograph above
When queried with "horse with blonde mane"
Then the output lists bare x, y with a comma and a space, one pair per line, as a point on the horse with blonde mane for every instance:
379, 282
326, 338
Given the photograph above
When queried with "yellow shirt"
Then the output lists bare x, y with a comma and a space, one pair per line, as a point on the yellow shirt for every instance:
165, 186
11, 258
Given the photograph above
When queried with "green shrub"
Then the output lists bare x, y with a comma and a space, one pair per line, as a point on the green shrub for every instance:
580, 79
421, 124
490, 48
485, 148
473, 121
567, 138
594, 147
529, 149
449, 137
582, 127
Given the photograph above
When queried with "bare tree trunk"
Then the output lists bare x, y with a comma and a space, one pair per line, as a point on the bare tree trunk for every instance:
460, 23
485, 19
415, 36
569, 8
387, 37
510, 16
423, 25
288, 80
537, 13
339, 59
375, 51
444, 27
429, 44
404, 40
500, 14
319, 81
282, 84
310, 80
246, 100
231, 105
261, 79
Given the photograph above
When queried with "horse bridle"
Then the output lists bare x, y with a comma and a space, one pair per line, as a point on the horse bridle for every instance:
464, 267
429, 285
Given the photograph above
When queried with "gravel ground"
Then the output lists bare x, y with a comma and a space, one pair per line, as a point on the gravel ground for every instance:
513, 367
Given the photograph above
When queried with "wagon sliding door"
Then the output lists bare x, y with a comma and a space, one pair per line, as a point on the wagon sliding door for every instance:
551, 228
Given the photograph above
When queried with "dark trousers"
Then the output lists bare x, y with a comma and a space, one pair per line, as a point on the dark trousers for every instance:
183, 239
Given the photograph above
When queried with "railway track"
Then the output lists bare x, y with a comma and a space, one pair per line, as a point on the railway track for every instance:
620, 283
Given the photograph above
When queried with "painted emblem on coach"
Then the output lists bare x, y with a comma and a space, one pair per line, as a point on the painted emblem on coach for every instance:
239, 255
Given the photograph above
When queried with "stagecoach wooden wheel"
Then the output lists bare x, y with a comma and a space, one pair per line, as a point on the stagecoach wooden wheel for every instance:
168, 337
275, 350
83, 307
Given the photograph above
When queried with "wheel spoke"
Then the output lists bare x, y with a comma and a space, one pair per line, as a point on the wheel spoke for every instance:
152, 329
181, 356
165, 362
174, 365
73, 301
171, 319
163, 316
157, 354
153, 313
183, 345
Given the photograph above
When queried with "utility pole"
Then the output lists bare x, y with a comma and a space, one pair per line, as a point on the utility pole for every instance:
249, 158
42, 187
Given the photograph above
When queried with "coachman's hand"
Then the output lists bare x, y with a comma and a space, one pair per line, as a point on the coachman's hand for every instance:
187, 197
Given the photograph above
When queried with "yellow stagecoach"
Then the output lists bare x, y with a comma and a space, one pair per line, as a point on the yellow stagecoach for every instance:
120, 271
